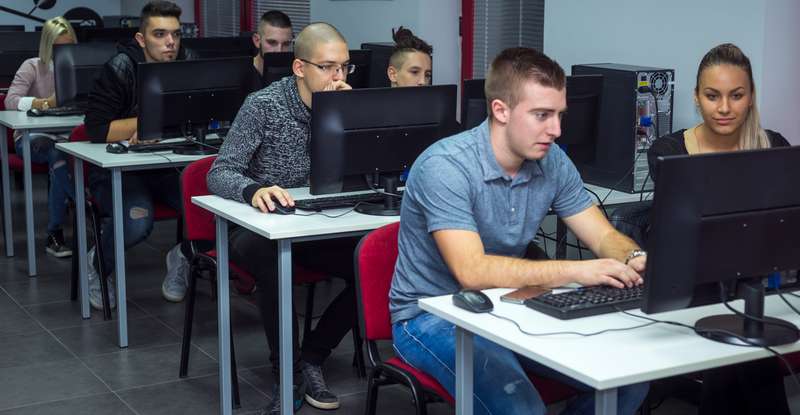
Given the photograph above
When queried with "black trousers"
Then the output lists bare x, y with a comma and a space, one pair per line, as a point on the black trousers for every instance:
745, 388
259, 256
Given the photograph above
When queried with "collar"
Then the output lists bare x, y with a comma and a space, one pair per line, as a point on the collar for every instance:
491, 168
297, 108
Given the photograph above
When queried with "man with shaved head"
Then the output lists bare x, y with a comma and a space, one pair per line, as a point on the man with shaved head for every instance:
266, 152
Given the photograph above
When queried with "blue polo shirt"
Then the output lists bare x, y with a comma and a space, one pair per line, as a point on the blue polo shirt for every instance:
458, 184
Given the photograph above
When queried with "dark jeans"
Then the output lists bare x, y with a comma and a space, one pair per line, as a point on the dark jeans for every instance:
259, 256
43, 150
747, 388
139, 192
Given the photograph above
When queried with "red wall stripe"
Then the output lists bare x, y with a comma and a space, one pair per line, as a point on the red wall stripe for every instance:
467, 41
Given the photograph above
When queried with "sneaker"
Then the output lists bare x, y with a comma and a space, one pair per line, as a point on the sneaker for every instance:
55, 245
174, 286
95, 292
274, 407
317, 393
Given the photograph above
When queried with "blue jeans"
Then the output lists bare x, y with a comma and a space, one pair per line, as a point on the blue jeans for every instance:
500, 384
140, 190
43, 150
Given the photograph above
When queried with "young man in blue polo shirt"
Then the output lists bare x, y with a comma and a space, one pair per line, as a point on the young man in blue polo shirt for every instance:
473, 202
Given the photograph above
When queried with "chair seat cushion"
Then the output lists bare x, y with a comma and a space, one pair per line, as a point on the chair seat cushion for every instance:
15, 164
424, 379
163, 211
551, 390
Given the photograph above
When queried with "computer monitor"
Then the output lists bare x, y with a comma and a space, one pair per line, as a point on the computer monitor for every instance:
12, 28
106, 34
473, 103
75, 68
182, 97
724, 218
220, 47
278, 65
15, 48
19, 41
365, 138
379, 62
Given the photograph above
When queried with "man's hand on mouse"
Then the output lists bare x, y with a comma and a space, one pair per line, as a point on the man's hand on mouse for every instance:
265, 198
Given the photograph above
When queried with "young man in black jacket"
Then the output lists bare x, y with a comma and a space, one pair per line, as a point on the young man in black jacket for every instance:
112, 117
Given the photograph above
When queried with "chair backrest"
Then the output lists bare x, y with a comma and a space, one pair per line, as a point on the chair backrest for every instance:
198, 222
79, 134
375, 257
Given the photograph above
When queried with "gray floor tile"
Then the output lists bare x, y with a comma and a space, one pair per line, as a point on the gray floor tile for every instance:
23, 385
30, 348
14, 320
102, 337
196, 396
140, 367
64, 314
42, 289
104, 404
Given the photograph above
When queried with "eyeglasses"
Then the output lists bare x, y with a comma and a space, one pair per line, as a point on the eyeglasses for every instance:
331, 68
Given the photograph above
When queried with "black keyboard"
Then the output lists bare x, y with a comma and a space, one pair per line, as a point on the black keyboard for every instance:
333, 202
56, 112
587, 301
169, 145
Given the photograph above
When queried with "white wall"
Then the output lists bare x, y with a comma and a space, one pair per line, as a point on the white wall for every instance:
372, 21
780, 89
134, 8
102, 7
672, 34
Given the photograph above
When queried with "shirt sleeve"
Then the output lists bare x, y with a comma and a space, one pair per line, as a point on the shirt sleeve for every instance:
107, 102
21, 86
571, 198
442, 191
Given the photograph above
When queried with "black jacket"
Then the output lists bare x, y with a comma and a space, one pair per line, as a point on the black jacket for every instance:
113, 95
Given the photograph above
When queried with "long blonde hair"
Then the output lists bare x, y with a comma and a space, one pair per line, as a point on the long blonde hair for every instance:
751, 135
51, 30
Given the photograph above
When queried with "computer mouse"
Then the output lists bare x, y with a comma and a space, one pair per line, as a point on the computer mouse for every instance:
34, 112
283, 210
473, 300
116, 148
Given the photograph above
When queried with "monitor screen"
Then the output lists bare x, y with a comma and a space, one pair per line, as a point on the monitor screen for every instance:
473, 103
10, 61
359, 134
75, 67
220, 47
174, 104
105, 34
718, 219
19, 41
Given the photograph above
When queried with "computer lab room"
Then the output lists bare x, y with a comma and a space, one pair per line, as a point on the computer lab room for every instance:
399, 207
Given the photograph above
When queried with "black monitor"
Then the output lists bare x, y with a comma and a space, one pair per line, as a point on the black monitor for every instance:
12, 28
473, 103
183, 97
278, 65
379, 62
220, 47
105, 34
19, 41
10, 61
365, 138
75, 68
720, 219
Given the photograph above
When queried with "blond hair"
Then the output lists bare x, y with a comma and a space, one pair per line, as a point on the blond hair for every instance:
51, 30
751, 135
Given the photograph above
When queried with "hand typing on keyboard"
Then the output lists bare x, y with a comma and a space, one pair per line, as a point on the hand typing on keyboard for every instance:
605, 271
265, 198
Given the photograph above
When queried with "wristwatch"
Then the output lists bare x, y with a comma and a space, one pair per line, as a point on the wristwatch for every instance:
635, 253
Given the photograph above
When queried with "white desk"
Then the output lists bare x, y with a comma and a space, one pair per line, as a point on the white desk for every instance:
20, 121
117, 163
616, 197
604, 362
285, 229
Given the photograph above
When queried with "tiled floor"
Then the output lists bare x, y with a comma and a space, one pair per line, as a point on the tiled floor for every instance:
53, 362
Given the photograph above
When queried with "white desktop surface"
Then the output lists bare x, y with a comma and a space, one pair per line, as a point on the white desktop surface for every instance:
19, 120
614, 359
96, 154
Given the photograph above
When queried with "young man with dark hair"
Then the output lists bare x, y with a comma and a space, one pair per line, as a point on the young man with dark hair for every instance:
274, 35
111, 117
411, 61
266, 151
472, 204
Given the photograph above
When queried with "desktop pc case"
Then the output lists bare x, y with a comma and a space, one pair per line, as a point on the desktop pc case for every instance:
627, 125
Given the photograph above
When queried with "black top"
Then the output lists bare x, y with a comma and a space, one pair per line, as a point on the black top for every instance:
673, 144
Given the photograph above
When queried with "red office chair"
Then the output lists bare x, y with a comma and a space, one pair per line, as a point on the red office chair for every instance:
200, 227
161, 212
375, 258
15, 162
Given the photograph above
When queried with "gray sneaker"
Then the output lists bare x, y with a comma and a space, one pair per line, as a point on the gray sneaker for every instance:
95, 292
274, 407
317, 393
174, 286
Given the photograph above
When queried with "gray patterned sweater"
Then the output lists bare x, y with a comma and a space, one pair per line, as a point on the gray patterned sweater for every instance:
266, 145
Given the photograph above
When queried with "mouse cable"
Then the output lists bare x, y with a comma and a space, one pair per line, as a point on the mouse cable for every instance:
555, 333
338, 215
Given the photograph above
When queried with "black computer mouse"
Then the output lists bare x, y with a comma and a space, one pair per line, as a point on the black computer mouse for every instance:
473, 300
283, 210
116, 148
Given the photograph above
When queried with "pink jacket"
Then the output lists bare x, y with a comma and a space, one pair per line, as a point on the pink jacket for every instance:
32, 80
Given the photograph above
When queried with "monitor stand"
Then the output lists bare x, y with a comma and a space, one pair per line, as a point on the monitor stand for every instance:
731, 328
391, 203
200, 148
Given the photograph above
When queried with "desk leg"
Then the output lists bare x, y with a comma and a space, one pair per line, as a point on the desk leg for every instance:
285, 327
464, 372
223, 319
605, 402
7, 229
29, 232
80, 216
119, 257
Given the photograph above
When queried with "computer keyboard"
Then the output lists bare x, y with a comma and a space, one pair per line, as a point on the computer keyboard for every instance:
169, 145
57, 111
333, 202
587, 301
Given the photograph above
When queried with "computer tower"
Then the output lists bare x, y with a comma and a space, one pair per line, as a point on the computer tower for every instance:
629, 116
